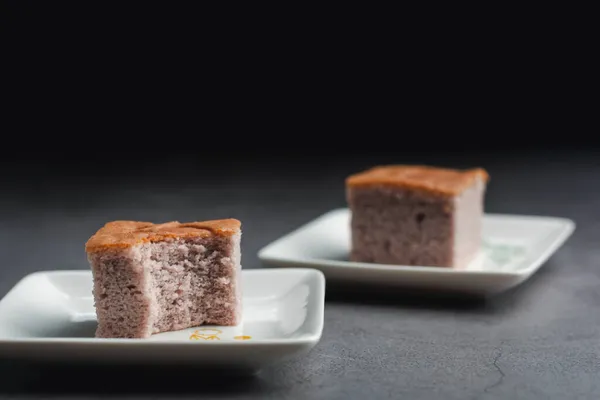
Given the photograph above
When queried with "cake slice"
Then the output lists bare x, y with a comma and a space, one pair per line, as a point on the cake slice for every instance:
151, 278
416, 215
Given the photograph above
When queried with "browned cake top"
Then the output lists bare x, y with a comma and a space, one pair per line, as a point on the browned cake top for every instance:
441, 181
121, 234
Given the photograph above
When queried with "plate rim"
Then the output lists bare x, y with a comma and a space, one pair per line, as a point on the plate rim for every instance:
309, 339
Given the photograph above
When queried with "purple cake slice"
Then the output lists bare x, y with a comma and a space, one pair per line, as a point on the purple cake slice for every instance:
416, 215
151, 278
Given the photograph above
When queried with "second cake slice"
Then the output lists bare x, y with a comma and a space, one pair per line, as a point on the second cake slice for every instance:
154, 278
416, 215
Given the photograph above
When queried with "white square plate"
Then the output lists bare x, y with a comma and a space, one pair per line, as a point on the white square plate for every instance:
51, 315
514, 247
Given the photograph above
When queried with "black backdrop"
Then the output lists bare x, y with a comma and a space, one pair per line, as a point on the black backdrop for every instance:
93, 92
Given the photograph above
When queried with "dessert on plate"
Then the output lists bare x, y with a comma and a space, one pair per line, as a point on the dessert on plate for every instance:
416, 215
151, 278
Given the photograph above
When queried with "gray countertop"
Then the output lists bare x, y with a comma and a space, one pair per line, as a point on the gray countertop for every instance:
538, 341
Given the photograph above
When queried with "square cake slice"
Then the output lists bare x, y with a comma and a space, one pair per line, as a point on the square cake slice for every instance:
151, 278
416, 215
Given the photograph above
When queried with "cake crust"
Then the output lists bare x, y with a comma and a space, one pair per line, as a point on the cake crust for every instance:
123, 234
434, 180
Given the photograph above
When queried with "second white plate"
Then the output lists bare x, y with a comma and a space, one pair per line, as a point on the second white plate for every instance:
514, 247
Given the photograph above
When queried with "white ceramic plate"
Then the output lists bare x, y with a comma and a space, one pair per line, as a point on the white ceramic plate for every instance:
514, 247
50, 315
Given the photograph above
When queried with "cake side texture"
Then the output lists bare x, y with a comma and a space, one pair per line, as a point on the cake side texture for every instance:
394, 225
468, 224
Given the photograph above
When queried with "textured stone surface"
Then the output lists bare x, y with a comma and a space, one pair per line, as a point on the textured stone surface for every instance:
539, 341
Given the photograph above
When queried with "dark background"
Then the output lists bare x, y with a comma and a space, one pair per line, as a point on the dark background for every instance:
160, 114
